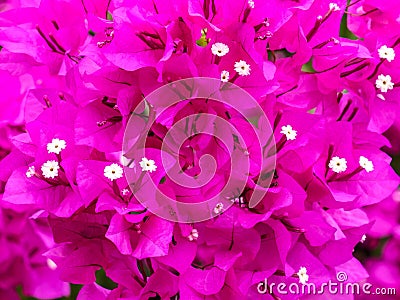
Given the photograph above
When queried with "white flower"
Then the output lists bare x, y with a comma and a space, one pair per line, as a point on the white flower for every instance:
56, 146
50, 169
242, 68
289, 132
224, 76
194, 235
384, 83
363, 238
238, 200
366, 164
219, 49
218, 208
113, 171
380, 96
51, 264
338, 165
30, 172
335, 41
334, 7
251, 3
148, 165
386, 53
303, 277
125, 192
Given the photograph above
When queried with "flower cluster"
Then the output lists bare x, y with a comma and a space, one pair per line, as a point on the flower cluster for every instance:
75, 71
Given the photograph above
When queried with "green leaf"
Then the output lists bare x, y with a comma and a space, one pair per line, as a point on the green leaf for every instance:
312, 111
344, 29
137, 212
308, 67
109, 16
145, 268
396, 164
203, 40
91, 33
104, 281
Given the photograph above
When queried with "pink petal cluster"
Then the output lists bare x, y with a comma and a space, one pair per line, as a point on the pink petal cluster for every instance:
73, 73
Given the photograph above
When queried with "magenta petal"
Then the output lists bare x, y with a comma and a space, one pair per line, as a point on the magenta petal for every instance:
205, 282
91, 290
155, 239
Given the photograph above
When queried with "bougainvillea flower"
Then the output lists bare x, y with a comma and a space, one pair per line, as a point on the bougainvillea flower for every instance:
106, 139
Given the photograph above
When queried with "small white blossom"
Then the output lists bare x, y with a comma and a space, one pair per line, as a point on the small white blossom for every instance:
101, 44
125, 192
335, 41
242, 68
334, 7
384, 83
50, 169
56, 146
338, 165
148, 165
366, 164
386, 53
30, 172
113, 171
219, 49
238, 200
303, 277
218, 208
224, 76
289, 132
251, 3
363, 238
51, 264
194, 235
380, 96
